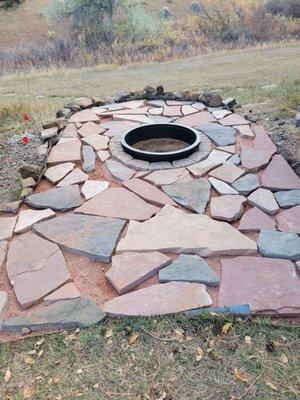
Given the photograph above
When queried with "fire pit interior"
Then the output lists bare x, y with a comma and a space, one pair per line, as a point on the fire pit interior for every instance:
160, 142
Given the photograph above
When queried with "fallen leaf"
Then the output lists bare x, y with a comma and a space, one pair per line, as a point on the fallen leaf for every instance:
28, 392
133, 338
284, 359
40, 353
29, 361
7, 376
199, 354
226, 328
240, 375
271, 385
108, 332
248, 340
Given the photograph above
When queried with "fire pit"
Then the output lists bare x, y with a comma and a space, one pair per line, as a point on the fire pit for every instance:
160, 142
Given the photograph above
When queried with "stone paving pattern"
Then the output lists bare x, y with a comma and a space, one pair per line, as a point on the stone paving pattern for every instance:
159, 235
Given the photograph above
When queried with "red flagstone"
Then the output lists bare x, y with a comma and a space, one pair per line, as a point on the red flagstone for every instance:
3, 250
196, 119
84, 116
66, 292
143, 119
264, 199
7, 225
89, 129
148, 192
167, 176
245, 131
58, 172
289, 220
227, 172
267, 285
172, 111
116, 128
187, 110
234, 119
156, 111
69, 151
254, 220
97, 142
75, 177
279, 175
227, 208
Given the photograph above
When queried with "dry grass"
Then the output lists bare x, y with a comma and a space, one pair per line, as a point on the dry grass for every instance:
100, 363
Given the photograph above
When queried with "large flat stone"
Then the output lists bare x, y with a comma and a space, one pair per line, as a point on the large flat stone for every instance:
185, 233
169, 298
234, 119
93, 188
35, 267
289, 220
68, 314
89, 236
189, 268
215, 159
89, 129
7, 225
3, 250
172, 111
28, 218
148, 192
279, 245
227, 208
220, 135
3, 305
89, 159
267, 285
254, 220
75, 177
119, 170
193, 120
193, 195
264, 199
116, 128
58, 172
245, 131
227, 172
66, 292
287, 199
246, 184
118, 203
70, 131
128, 270
69, 151
98, 142
168, 176
279, 175
142, 119
221, 187
84, 116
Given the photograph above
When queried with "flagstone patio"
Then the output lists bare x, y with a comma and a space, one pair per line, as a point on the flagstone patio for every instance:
107, 235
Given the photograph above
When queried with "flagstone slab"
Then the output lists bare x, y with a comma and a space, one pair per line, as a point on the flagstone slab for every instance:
35, 267
118, 203
98, 142
27, 218
7, 225
133, 104
142, 119
128, 270
157, 103
289, 220
68, 151
148, 192
66, 292
3, 305
70, 131
279, 244
103, 155
246, 184
236, 159
227, 172
89, 236
3, 251
58, 199
162, 299
193, 195
48, 133
264, 199
168, 176
119, 170
84, 116
199, 106
198, 118
287, 199
58, 172
215, 159
93, 188
188, 109
90, 129
155, 111
258, 154
130, 111
172, 111
158, 119
67, 314
221, 187
234, 119
254, 220
116, 128
222, 113
185, 233
227, 208
189, 268
267, 285
75, 177
220, 135
279, 175
245, 131
228, 149
89, 159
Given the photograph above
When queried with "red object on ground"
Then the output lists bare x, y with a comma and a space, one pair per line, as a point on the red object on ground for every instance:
26, 117
25, 140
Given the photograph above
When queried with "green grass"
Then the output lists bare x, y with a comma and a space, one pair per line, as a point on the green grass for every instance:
89, 365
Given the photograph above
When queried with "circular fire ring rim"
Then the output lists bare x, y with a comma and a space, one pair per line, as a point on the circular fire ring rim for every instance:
162, 156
